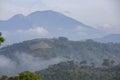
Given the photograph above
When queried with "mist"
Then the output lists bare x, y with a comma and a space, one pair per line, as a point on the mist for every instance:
24, 62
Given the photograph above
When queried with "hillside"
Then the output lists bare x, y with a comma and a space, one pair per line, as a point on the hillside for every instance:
48, 48
71, 71
115, 38
38, 54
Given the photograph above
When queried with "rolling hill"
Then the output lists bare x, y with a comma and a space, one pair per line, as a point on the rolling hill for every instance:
115, 38
48, 48
38, 54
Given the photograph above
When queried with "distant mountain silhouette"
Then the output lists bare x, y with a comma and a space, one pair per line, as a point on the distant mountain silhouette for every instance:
115, 38
55, 23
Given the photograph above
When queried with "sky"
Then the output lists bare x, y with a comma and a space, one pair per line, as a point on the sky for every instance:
101, 14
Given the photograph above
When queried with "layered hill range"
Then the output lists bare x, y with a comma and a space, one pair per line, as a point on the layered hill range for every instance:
37, 54
48, 48
114, 38
46, 24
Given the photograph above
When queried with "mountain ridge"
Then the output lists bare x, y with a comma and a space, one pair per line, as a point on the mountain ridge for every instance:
49, 45
54, 23
115, 38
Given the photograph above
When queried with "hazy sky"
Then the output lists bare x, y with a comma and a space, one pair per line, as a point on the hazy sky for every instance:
102, 14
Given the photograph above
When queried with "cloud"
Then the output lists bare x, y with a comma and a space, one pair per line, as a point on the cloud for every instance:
34, 31
6, 65
28, 34
24, 61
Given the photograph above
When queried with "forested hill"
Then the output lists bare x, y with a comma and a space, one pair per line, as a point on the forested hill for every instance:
71, 71
48, 48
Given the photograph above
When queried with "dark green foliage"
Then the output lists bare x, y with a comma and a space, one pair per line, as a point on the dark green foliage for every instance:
22, 76
72, 71
3, 77
83, 62
106, 63
63, 39
1, 38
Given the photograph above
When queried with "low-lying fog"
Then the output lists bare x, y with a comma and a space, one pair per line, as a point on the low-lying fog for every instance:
23, 61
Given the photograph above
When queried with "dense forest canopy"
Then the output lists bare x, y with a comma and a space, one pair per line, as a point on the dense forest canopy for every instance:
72, 71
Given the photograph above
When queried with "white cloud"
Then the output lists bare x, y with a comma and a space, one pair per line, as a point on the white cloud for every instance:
34, 31
23, 62
4, 63
22, 35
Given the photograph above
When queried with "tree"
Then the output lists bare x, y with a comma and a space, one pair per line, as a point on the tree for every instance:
83, 63
63, 38
4, 77
1, 38
106, 63
112, 62
26, 75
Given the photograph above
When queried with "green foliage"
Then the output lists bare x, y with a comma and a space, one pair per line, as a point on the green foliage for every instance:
41, 45
22, 76
28, 76
3, 77
1, 38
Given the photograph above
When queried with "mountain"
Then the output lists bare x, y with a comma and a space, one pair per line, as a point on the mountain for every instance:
115, 38
46, 24
38, 54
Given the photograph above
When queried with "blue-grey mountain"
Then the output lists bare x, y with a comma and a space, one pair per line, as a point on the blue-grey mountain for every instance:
54, 23
115, 38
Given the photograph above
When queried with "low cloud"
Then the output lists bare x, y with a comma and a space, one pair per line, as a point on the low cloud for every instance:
24, 61
28, 34
34, 31
6, 65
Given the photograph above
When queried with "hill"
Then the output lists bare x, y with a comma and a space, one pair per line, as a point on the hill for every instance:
71, 71
115, 38
48, 48
38, 54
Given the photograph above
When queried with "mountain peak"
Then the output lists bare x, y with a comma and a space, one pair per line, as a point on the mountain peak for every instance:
46, 12
18, 16
55, 23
